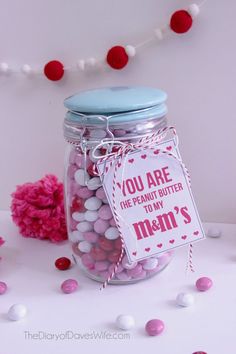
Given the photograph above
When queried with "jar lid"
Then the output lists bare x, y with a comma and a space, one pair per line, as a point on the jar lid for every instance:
121, 103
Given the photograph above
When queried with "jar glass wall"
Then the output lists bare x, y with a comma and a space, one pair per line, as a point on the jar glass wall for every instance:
91, 227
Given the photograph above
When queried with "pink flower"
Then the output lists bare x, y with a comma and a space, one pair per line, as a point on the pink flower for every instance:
1, 241
38, 209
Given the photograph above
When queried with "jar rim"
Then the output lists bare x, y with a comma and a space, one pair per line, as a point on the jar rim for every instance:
156, 112
120, 104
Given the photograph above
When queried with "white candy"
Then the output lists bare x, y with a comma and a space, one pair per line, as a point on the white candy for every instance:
84, 246
150, 264
81, 176
93, 203
98, 133
94, 183
105, 201
184, 299
16, 312
78, 216
130, 51
76, 236
125, 322
84, 226
128, 265
91, 215
214, 232
112, 233
193, 10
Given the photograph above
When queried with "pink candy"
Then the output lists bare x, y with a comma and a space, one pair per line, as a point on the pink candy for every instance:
84, 193
123, 276
79, 160
204, 284
154, 327
98, 254
136, 271
112, 222
105, 244
3, 287
69, 286
87, 261
101, 193
113, 256
105, 212
71, 171
91, 236
140, 275
101, 266
100, 226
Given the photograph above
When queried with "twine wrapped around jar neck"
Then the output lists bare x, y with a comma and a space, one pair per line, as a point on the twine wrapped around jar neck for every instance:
75, 133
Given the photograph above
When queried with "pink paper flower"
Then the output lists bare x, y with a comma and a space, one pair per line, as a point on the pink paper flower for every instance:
38, 209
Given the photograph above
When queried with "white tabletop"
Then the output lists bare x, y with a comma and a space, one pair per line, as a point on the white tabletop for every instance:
28, 269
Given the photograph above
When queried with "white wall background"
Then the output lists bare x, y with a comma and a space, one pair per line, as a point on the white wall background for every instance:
198, 71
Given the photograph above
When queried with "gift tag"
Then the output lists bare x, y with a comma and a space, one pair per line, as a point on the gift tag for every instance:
150, 196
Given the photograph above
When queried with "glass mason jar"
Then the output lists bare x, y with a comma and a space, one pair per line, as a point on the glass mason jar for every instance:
124, 114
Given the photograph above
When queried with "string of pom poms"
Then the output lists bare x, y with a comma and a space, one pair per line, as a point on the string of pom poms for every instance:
118, 56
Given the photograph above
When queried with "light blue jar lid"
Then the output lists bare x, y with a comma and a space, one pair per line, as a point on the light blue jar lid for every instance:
123, 104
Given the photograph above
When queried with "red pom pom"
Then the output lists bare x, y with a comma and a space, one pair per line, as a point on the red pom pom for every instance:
54, 70
117, 57
181, 21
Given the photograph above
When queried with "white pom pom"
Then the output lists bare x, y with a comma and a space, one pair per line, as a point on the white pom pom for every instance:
158, 33
81, 64
4, 67
91, 62
130, 51
193, 10
26, 69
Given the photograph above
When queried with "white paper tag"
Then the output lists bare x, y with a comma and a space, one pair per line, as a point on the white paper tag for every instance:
153, 200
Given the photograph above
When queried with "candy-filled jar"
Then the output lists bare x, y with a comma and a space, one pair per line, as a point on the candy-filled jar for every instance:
121, 115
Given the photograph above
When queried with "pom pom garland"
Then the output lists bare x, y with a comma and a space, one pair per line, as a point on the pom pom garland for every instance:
130, 51
159, 34
54, 70
4, 67
181, 21
118, 56
38, 209
26, 69
91, 62
193, 10
81, 64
